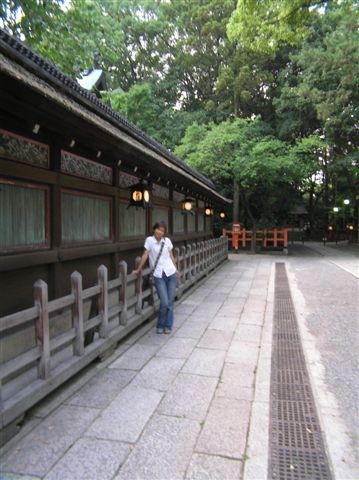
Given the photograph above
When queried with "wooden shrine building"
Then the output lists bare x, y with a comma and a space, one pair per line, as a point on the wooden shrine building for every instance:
67, 165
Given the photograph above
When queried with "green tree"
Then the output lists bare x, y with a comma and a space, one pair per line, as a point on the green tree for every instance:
242, 153
265, 26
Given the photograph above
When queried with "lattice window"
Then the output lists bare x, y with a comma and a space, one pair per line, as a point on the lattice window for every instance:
208, 223
178, 221
191, 223
85, 218
132, 221
23, 216
159, 214
200, 222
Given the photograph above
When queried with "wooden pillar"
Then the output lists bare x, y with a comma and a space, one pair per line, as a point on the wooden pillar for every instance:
42, 328
103, 300
77, 313
275, 237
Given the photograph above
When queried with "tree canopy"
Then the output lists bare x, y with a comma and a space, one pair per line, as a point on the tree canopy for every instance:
260, 96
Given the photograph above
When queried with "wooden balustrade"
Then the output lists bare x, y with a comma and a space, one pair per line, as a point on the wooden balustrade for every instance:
36, 369
267, 238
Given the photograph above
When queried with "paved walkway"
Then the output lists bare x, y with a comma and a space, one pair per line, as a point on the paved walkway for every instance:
193, 405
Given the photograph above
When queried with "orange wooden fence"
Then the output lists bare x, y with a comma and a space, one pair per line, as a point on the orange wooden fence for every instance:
242, 238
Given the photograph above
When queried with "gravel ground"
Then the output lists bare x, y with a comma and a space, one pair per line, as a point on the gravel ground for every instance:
332, 311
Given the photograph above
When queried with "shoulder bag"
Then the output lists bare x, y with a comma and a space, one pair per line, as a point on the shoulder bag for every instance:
151, 277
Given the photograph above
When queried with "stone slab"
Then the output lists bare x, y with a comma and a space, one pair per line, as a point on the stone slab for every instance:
185, 308
177, 348
257, 306
227, 324
189, 396
210, 467
126, 416
90, 459
14, 476
250, 317
238, 374
248, 333
199, 318
152, 338
225, 429
215, 339
102, 389
44, 446
235, 391
257, 448
136, 357
207, 310
163, 452
215, 298
241, 352
205, 362
159, 373
191, 330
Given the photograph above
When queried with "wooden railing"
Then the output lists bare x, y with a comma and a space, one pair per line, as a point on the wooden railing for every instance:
277, 237
45, 345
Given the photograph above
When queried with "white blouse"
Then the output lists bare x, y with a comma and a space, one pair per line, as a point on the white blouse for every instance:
164, 263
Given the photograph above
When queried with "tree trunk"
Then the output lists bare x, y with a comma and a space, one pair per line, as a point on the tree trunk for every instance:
235, 201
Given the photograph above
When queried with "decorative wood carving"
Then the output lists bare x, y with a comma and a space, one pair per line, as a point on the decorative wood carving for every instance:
15, 147
82, 167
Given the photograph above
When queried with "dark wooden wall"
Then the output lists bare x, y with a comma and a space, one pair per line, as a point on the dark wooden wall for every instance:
54, 262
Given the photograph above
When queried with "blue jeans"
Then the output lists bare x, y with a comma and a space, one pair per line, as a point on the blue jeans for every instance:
166, 289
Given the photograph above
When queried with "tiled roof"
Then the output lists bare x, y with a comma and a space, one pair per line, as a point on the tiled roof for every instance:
24, 55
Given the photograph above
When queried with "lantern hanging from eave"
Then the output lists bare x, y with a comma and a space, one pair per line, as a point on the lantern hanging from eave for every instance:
140, 196
187, 205
208, 211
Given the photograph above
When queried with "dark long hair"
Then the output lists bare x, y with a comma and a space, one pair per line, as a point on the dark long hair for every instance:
160, 224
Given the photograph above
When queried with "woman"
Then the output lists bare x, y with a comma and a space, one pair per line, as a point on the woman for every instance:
158, 248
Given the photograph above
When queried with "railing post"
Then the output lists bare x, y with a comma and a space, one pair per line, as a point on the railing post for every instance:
77, 313
275, 241
123, 294
194, 250
202, 256
197, 259
42, 328
189, 264
138, 288
206, 254
184, 273
103, 300
176, 254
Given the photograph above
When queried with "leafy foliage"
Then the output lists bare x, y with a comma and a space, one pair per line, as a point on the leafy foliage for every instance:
272, 108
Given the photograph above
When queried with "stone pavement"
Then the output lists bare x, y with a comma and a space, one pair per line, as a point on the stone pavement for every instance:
195, 404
